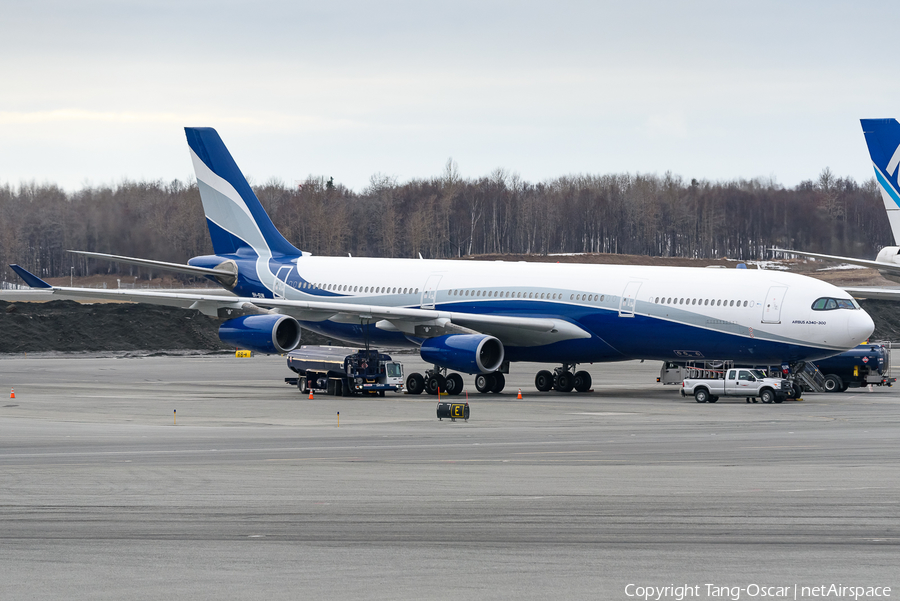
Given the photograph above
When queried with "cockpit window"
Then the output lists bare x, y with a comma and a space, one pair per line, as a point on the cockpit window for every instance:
829, 304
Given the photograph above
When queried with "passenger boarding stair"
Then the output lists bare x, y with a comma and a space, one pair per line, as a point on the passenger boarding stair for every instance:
810, 376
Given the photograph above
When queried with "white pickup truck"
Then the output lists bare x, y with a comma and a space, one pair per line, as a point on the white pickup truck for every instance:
738, 382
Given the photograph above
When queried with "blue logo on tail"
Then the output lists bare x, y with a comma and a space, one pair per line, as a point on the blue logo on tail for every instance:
237, 221
883, 140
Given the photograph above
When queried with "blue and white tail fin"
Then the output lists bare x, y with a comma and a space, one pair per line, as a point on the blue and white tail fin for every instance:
883, 139
237, 221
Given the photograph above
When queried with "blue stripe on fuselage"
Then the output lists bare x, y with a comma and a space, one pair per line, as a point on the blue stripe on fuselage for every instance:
614, 338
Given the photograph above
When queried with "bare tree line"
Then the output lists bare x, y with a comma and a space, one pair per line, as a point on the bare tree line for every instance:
448, 216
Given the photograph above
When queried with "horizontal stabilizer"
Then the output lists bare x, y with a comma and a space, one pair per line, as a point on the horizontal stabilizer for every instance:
30, 279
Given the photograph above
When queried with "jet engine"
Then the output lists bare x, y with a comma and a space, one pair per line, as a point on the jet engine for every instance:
891, 256
271, 334
468, 353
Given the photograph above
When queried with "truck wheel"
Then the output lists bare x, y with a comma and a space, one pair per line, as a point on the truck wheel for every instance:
833, 383
582, 381
415, 384
701, 395
543, 381
454, 384
767, 396
435, 384
499, 382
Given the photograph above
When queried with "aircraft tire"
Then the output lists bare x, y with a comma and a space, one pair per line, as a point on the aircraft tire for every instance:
833, 383
565, 381
415, 383
454, 384
435, 384
712, 398
582, 381
543, 381
499, 382
484, 383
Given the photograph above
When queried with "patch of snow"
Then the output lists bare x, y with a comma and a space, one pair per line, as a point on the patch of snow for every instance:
770, 265
841, 267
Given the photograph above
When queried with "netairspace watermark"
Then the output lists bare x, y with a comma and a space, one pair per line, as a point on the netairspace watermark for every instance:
683, 592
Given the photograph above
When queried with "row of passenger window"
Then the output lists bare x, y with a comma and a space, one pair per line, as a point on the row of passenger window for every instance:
531, 295
702, 301
363, 289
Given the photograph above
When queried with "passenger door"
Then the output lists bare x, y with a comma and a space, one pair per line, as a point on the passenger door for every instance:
629, 299
772, 304
429, 291
280, 277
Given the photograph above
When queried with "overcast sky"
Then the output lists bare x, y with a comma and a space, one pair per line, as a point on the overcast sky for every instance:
93, 92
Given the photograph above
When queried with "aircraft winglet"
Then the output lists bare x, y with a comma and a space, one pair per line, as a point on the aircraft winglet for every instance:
30, 279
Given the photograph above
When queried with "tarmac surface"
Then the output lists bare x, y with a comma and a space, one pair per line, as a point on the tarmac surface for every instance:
257, 493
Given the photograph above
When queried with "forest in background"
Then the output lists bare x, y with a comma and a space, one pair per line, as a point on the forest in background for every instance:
449, 216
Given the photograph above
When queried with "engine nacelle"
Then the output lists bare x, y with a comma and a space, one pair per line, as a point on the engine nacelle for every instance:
271, 334
468, 353
889, 254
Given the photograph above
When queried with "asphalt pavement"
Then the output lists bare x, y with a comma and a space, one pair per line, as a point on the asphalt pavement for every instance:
207, 477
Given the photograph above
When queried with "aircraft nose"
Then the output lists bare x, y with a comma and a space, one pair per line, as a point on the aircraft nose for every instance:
860, 326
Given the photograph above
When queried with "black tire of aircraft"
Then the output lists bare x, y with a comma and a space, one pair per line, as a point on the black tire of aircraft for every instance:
454, 384
415, 384
543, 381
436, 384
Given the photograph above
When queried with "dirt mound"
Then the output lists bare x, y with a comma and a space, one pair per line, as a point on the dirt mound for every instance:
886, 315
65, 325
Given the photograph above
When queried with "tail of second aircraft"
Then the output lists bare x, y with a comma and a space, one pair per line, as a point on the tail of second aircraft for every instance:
237, 221
883, 140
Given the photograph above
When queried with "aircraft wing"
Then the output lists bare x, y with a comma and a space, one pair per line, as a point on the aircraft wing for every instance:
886, 267
423, 323
891, 294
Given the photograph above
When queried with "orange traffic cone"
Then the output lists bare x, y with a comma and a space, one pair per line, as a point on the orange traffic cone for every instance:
12, 393
520, 394
310, 394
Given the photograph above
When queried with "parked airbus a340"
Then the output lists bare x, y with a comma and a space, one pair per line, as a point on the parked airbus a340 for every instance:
477, 317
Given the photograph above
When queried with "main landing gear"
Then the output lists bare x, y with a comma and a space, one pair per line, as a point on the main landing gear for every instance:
562, 379
435, 380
